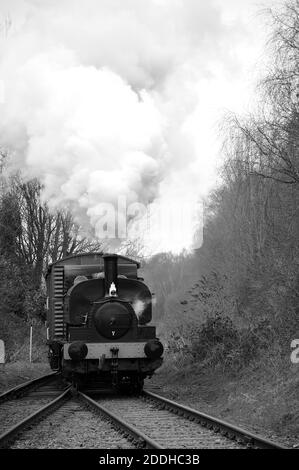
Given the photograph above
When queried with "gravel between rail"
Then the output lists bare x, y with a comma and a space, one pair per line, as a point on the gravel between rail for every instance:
72, 426
15, 408
166, 428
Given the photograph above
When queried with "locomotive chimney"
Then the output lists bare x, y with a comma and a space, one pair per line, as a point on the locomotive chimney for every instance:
111, 271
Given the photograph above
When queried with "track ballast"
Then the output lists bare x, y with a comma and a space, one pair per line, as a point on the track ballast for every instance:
48, 413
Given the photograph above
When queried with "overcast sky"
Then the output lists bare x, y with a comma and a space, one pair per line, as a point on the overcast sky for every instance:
109, 98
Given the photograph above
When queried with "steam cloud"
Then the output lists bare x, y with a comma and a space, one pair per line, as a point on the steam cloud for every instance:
140, 305
98, 94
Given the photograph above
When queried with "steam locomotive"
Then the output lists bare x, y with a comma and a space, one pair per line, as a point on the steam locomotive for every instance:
98, 311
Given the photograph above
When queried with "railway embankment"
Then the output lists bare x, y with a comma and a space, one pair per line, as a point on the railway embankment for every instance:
262, 398
15, 373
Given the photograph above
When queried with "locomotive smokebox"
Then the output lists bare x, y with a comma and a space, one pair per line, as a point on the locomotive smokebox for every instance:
111, 273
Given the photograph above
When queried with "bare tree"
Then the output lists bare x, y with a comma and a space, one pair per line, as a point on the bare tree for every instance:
133, 248
267, 142
44, 236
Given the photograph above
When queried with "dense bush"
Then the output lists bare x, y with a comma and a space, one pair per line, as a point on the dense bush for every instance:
218, 343
18, 293
21, 305
15, 332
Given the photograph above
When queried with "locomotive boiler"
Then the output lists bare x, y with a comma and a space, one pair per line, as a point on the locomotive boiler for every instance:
98, 318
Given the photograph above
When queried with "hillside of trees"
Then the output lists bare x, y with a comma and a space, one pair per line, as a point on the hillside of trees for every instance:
236, 298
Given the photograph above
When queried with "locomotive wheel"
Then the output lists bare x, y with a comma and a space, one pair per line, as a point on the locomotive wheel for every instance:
134, 386
77, 383
139, 385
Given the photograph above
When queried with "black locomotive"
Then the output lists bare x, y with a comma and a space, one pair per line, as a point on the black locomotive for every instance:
98, 315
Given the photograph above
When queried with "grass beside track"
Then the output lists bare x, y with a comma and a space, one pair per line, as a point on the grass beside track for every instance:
262, 398
15, 373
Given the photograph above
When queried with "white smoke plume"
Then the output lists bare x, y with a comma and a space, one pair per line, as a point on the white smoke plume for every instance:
139, 305
98, 93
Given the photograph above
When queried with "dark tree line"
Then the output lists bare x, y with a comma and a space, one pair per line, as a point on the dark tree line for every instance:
32, 237
252, 232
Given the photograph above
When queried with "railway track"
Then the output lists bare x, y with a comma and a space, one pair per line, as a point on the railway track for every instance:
24, 403
160, 423
216, 425
26, 387
47, 414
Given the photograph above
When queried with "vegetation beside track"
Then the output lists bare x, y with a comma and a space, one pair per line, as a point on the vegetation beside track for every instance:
15, 373
262, 398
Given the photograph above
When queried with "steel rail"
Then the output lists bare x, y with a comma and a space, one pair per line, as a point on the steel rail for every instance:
216, 424
19, 389
12, 432
142, 439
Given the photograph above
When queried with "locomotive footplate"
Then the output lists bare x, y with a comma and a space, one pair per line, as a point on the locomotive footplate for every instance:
114, 366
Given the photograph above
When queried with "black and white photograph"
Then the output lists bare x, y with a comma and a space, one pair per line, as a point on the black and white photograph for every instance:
149, 228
